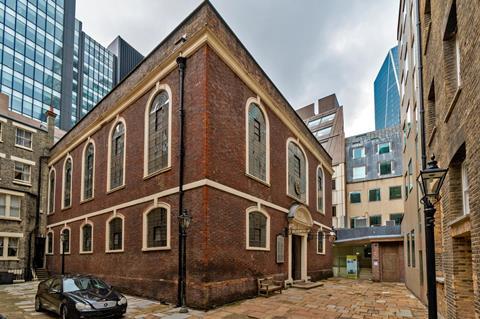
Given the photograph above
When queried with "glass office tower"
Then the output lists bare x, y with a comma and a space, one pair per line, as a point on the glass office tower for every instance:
31, 45
46, 60
387, 92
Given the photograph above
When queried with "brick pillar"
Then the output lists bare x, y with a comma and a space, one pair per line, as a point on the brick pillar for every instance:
376, 262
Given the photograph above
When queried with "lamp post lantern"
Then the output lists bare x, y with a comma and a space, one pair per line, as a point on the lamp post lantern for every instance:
430, 181
184, 220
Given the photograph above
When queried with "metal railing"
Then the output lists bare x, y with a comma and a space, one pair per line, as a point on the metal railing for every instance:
366, 232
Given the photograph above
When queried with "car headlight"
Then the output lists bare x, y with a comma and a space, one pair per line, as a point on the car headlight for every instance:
122, 301
82, 307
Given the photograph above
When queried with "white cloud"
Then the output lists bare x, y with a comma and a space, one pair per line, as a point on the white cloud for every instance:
309, 49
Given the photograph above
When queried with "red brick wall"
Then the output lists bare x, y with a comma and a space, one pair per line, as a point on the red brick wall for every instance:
219, 268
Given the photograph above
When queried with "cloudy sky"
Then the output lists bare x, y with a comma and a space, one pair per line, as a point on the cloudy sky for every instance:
309, 48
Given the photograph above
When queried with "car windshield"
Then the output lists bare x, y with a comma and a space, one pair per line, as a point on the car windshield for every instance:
75, 284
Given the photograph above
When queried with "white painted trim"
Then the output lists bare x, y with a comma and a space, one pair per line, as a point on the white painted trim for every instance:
24, 127
202, 37
3, 155
81, 251
174, 190
19, 181
257, 102
158, 88
53, 243
2, 119
323, 242
322, 209
22, 160
322, 225
69, 239
145, 227
82, 176
107, 233
9, 192
49, 191
109, 158
255, 209
294, 141
9, 234
62, 204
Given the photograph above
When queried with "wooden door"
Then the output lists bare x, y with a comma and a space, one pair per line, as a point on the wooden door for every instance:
390, 263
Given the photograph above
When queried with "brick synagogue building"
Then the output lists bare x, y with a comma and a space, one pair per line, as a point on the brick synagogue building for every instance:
254, 177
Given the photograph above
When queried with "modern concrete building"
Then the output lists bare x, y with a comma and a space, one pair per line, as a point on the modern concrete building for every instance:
413, 221
374, 182
327, 126
256, 192
386, 92
24, 149
46, 61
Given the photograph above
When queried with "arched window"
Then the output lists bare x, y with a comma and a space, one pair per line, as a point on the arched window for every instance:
257, 142
158, 133
115, 234
157, 229
88, 171
50, 243
86, 238
67, 183
258, 230
51, 191
320, 190
297, 172
65, 241
117, 155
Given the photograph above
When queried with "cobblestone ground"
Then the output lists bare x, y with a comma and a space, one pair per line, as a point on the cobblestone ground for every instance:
338, 298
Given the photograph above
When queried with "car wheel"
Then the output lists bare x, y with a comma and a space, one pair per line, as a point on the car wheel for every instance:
64, 312
38, 304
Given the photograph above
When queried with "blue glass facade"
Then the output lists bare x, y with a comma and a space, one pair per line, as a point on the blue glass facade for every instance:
387, 92
31, 54
93, 73
46, 60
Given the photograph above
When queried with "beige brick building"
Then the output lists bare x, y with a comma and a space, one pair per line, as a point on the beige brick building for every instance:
451, 84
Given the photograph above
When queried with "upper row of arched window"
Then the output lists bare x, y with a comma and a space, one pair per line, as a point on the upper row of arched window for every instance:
157, 154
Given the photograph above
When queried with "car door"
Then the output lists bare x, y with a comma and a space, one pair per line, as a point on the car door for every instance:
54, 295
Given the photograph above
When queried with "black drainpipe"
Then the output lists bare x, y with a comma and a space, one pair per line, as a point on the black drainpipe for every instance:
28, 272
182, 264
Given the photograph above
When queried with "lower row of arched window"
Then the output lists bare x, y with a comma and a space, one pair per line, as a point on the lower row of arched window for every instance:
156, 233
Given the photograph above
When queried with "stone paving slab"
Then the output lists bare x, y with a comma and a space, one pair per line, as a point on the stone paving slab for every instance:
336, 299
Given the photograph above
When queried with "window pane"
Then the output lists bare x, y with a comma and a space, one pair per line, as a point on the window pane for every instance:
376, 220
257, 230
320, 242
384, 148
358, 152
257, 142
359, 172
385, 168
374, 195
117, 156
87, 238
116, 234
3, 203
12, 247
297, 184
15, 205
157, 228
66, 241
158, 133
395, 192
397, 218
355, 198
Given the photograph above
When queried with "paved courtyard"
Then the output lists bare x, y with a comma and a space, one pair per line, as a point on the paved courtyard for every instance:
338, 298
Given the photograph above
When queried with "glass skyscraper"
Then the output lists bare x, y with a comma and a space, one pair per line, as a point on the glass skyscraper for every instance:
31, 45
387, 92
46, 60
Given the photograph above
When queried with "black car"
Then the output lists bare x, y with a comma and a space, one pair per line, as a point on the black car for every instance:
79, 296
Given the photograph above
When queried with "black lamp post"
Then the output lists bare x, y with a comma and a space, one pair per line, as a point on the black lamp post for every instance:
184, 220
430, 182
63, 239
